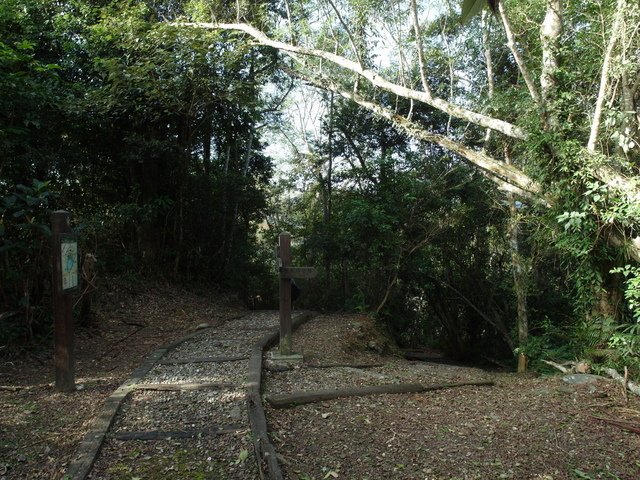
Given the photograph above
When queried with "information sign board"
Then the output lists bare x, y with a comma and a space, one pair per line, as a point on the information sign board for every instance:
69, 262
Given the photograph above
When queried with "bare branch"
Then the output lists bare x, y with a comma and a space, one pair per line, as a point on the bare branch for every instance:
505, 176
374, 78
550, 32
347, 30
489, 65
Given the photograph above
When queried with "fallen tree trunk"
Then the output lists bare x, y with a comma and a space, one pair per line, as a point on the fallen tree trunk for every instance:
288, 400
631, 386
562, 368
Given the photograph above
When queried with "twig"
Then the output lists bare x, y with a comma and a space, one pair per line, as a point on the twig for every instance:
497, 362
601, 405
344, 365
135, 324
557, 365
16, 388
629, 411
42, 440
119, 342
558, 442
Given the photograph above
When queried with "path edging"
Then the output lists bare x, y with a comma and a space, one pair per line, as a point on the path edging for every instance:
89, 448
265, 452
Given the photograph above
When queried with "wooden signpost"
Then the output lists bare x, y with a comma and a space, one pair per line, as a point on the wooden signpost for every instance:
287, 273
64, 283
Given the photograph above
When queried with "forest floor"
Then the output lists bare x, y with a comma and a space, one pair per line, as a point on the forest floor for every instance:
520, 428
40, 429
523, 427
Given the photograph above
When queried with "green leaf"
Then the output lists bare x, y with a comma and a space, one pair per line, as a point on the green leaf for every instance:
244, 454
470, 8
580, 474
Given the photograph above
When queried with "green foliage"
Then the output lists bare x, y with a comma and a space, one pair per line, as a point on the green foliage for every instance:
471, 8
152, 136
148, 132
626, 342
549, 340
24, 257
632, 288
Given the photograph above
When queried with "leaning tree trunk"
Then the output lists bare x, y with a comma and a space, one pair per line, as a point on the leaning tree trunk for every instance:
507, 179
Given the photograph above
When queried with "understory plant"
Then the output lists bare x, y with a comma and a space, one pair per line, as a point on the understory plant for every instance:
24, 257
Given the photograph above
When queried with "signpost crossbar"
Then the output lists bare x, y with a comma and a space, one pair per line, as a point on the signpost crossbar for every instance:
286, 274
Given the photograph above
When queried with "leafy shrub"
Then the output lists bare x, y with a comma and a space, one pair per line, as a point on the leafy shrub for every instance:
24, 256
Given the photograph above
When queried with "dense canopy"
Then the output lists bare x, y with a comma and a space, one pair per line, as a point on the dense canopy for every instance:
469, 174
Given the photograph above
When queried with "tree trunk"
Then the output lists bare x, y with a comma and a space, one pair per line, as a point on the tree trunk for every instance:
519, 283
519, 277
550, 40
327, 207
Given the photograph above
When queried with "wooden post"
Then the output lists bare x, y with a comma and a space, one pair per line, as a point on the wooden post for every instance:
64, 282
284, 253
287, 273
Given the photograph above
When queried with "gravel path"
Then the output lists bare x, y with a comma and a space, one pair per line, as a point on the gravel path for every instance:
199, 431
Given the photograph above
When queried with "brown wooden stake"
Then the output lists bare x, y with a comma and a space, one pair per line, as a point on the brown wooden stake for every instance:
64, 359
284, 251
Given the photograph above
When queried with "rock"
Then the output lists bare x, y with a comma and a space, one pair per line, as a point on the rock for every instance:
375, 346
203, 326
580, 378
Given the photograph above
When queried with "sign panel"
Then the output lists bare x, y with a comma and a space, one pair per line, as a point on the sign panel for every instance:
298, 272
69, 262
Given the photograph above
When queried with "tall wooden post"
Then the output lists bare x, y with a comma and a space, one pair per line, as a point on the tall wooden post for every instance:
64, 282
284, 249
